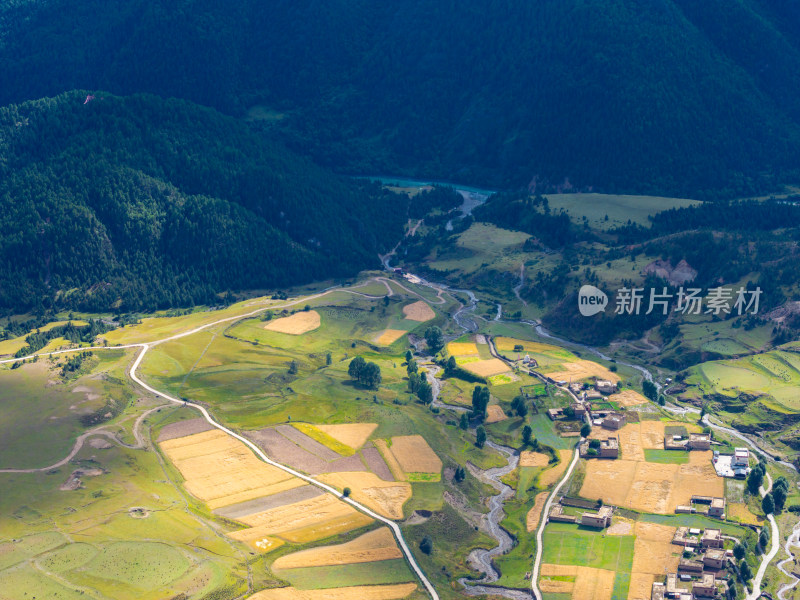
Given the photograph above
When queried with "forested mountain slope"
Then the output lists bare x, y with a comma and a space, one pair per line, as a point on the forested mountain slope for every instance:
674, 97
139, 202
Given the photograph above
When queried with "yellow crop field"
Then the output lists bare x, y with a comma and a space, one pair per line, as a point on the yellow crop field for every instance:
349, 434
533, 459
326, 529
653, 549
418, 311
486, 368
641, 586
628, 398
384, 497
462, 349
495, 414
389, 336
221, 470
582, 369
378, 544
415, 455
535, 513
296, 324
360, 592
298, 514
632, 483
391, 461
739, 512
554, 473
597, 584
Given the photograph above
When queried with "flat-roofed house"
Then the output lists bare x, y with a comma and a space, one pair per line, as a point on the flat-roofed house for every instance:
706, 587
712, 538
717, 508
699, 441
614, 421
715, 558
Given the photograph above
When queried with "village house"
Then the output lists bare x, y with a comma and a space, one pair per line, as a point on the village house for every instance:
715, 558
556, 413
580, 410
557, 514
706, 587
608, 448
741, 457
699, 441
690, 566
604, 386
601, 519
614, 421
712, 538
717, 508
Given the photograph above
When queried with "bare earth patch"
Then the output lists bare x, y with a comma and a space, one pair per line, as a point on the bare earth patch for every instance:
418, 311
389, 336
391, 461
354, 435
184, 428
535, 513
486, 368
415, 455
495, 414
375, 545
621, 527
361, 592
533, 459
375, 462
296, 324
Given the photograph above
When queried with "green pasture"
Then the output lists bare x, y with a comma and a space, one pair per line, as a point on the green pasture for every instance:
88, 538
666, 457
775, 374
40, 416
619, 208
371, 573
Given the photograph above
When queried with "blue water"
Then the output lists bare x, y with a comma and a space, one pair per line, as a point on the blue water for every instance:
404, 182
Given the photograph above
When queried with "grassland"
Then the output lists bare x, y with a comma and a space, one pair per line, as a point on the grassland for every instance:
42, 410
774, 375
64, 544
619, 209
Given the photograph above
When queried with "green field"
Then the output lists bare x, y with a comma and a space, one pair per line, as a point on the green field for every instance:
666, 457
619, 209
372, 573
568, 544
774, 374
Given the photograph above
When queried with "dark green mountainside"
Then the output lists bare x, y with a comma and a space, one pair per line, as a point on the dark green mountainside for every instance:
673, 97
138, 202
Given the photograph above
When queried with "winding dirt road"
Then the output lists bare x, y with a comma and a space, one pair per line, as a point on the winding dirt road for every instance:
145, 347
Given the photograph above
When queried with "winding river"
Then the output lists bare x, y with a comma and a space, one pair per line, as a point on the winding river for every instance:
482, 559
